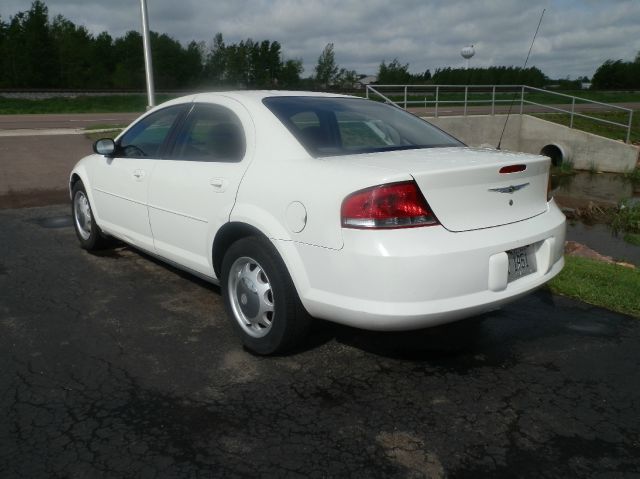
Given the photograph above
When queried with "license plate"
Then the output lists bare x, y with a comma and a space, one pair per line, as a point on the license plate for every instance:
522, 262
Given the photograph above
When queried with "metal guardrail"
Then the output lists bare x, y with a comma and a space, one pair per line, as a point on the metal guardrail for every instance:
408, 92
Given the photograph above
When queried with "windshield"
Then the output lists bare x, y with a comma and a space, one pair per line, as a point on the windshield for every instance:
343, 126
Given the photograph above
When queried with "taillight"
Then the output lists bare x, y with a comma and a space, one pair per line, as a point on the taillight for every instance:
395, 205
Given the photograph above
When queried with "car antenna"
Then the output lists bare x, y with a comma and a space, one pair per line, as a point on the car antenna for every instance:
523, 67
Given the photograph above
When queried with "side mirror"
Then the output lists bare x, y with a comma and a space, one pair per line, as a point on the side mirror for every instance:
105, 147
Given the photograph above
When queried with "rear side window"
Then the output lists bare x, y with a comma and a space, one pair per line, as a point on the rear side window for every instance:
334, 126
146, 138
210, 133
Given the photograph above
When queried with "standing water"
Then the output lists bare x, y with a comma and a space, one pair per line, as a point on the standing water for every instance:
584, 191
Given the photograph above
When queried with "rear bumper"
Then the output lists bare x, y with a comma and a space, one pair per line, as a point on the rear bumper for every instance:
414, 278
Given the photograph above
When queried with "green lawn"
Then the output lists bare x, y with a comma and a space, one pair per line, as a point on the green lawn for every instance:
608, 285
474, 98
602, 129
80, 104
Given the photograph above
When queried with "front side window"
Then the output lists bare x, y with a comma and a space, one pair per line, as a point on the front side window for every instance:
210, 133
328, 126
146, 137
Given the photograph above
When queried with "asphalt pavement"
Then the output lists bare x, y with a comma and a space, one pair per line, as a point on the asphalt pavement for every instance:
114, 365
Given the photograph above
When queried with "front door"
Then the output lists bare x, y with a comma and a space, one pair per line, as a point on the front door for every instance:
121, 182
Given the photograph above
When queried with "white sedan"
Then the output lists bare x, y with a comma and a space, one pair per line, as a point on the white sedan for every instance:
305, 205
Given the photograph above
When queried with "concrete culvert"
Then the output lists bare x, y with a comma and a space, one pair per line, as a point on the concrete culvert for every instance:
557, 153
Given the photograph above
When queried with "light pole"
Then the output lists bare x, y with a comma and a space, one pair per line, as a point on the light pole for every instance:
148, 64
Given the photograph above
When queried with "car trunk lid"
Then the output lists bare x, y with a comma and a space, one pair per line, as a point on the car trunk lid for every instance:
465, 187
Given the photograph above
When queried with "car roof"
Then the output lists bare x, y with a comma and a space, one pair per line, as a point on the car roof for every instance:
262, 94
247, 97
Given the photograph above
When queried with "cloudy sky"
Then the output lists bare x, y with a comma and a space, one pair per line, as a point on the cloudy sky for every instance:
576, 36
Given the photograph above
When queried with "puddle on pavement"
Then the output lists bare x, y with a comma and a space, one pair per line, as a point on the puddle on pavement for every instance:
53, 222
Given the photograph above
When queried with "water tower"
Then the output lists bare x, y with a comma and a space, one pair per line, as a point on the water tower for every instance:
467, 52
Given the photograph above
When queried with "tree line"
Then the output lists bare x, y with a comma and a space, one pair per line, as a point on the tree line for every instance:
36, 52
39, 52
396, 73
617, 74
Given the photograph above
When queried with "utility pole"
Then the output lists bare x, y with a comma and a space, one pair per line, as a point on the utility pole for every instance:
148, 65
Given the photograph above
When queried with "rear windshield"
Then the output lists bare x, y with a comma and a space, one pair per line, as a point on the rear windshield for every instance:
344, 126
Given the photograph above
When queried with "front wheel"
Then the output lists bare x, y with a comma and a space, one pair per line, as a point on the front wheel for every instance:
260, 297
87, 231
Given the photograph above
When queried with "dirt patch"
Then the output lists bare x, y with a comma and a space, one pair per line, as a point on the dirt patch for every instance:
572, 248
408, 451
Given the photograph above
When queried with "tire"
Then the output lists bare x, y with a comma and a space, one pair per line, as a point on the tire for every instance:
260, 298
87, 230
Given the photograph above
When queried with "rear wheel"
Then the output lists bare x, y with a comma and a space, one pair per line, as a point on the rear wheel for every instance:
87, 231
260, 298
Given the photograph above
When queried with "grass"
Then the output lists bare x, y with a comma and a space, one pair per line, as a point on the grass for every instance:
602, 284
506, 98
98, 135
602, 129
632, 238
633, 176
565, 169
79, 104
627, 218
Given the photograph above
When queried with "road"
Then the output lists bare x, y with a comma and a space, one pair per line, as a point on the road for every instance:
37, 152
114, 365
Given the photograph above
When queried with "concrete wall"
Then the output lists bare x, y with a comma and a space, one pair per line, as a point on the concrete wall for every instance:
530, 135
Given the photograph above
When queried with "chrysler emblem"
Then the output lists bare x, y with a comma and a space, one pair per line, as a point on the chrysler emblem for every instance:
509, 189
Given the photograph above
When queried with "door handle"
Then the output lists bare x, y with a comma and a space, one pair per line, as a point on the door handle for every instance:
219, 184
138, 174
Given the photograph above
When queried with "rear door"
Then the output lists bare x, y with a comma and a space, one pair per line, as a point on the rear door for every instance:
120, 183
193, 191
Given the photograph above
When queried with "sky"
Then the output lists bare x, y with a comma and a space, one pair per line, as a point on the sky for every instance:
576, 36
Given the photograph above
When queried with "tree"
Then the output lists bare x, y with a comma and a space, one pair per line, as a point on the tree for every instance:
290, 74
37, 53
128, 72
502, 75
193, 64
347, 78
394, 73
29, 57
216, 61
617, 74
326, 69
74, 49
103, 62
